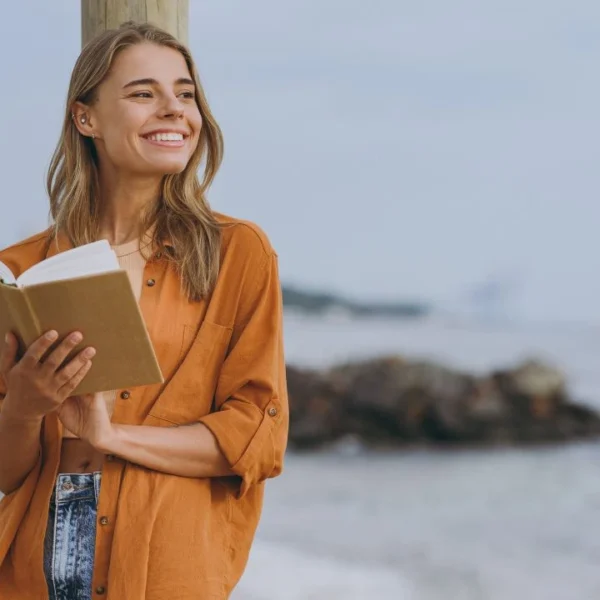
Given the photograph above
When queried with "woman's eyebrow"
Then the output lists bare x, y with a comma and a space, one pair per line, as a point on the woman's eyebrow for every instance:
151, 81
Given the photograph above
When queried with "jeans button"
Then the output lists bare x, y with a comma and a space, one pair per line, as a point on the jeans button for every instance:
67, 485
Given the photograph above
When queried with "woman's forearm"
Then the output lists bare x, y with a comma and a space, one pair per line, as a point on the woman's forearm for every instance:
19, 449
187, 451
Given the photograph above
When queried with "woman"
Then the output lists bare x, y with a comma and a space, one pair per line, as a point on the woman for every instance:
154, 492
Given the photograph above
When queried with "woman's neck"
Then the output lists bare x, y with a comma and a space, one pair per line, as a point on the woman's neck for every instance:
122, 206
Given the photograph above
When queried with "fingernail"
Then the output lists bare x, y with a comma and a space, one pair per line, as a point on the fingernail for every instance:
89, 352
7, 338
52, 335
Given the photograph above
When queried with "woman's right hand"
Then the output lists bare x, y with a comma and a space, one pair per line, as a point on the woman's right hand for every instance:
37, 385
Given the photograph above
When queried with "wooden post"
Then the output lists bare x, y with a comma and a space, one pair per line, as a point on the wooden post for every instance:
99, 15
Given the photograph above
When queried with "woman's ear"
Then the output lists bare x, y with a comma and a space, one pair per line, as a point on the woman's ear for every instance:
82, 118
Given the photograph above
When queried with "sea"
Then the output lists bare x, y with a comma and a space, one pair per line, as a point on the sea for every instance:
502, 524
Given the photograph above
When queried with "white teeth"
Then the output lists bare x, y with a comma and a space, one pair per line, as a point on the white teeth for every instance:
166, 137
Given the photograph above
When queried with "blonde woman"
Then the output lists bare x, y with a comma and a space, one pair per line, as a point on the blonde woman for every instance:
154, 492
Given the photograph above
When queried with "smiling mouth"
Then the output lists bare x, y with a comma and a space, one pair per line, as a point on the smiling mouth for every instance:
166, 136
166, 140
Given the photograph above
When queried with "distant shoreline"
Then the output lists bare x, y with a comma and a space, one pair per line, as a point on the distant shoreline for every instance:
319, 303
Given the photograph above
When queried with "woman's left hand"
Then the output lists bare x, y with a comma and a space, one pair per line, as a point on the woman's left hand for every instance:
87, 417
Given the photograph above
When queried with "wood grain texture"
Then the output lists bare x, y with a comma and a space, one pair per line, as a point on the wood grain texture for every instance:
93, 19
99, 15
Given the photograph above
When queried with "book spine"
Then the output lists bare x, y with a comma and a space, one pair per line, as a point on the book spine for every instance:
26, 323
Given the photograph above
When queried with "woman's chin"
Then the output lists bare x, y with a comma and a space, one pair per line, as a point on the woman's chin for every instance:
169, 167
175, 169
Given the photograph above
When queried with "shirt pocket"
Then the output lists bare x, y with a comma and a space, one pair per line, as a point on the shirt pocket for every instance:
189, 394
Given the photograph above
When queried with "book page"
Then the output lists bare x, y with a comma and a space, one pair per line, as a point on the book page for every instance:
6, 274
89, 259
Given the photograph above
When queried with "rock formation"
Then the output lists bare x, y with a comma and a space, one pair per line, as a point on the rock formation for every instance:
391, 401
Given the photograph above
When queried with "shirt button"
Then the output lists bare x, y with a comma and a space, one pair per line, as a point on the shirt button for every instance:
104, 521
150, 282
110, 457
158, 255
100, 590
125, 395
272, 412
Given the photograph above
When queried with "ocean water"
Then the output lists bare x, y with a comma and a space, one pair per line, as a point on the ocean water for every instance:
513, 524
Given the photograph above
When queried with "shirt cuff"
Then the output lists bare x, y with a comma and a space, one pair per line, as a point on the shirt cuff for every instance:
245, 436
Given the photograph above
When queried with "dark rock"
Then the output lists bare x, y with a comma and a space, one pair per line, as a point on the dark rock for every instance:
315, 408
392, 401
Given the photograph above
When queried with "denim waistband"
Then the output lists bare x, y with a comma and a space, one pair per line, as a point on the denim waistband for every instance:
71, 487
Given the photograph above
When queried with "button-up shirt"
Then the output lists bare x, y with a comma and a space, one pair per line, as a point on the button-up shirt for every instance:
162, 536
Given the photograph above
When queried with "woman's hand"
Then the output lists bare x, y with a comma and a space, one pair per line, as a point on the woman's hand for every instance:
87, 417
38, 384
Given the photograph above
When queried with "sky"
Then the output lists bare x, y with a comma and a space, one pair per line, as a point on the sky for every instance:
391, 149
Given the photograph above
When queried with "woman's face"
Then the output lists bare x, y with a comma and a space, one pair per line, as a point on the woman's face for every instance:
145, 118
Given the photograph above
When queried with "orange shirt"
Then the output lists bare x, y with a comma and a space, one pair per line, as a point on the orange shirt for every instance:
166, 536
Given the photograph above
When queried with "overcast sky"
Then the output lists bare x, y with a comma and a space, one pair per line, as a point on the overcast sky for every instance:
390, 149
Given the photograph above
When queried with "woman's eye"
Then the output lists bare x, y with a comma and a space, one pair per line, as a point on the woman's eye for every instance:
186, 95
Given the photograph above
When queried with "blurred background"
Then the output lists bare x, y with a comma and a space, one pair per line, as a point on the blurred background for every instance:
427, 173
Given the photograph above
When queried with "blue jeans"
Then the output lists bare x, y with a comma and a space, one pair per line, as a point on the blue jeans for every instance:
71, 536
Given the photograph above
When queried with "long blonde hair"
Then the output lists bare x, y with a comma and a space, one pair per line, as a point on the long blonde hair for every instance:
182, 215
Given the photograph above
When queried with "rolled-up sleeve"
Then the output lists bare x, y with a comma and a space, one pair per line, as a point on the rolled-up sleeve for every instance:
250, 422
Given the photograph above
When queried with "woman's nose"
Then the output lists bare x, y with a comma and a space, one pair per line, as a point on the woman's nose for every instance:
172, 108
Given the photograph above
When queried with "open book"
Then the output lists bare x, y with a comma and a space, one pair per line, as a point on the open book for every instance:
83, 289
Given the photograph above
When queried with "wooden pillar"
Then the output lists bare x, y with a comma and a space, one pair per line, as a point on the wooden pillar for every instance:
99, 15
